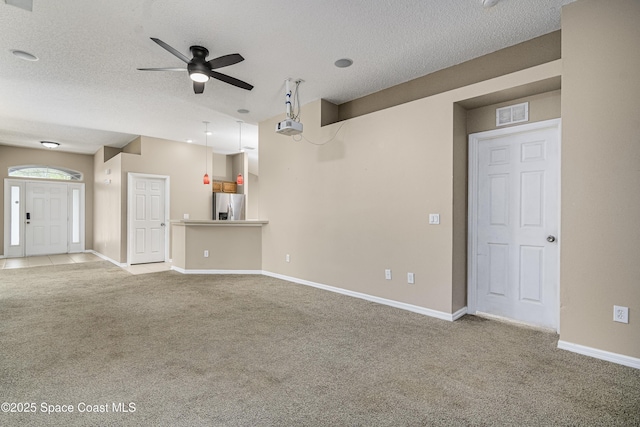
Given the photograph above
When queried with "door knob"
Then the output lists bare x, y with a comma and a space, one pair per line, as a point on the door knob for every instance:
551, 239
162, 224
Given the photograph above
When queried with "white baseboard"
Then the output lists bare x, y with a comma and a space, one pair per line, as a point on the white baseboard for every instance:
106, 258
620, 359
401, 305
183, 271
458, 314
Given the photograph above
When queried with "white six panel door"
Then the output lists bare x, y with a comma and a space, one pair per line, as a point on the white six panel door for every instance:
46, 229
517, 224
148, 221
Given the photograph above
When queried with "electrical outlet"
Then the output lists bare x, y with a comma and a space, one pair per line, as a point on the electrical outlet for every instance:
410, 278
387, 274
206, 253
620, 314
185, 216
434, 219
287, 258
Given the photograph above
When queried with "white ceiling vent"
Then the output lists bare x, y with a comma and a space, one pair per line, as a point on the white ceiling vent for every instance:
512, 114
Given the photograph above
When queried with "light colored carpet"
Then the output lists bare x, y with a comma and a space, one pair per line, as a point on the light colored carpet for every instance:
256, 351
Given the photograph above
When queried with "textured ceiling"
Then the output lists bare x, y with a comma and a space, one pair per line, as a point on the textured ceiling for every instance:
85, 91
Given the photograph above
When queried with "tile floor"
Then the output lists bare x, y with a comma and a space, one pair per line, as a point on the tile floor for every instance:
35, 261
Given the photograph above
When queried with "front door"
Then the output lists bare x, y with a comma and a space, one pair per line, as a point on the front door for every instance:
514, 221
46, 218
147, 219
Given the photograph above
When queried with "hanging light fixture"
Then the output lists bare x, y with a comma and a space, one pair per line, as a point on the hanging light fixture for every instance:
240, 149
205, 179
240, 179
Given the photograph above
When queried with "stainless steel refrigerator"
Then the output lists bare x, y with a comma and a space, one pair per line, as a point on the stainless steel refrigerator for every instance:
229, 207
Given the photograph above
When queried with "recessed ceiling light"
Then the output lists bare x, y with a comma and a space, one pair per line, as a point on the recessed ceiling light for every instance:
50, 144
24, 55
209, 132
189, 141
343, 63
243, 111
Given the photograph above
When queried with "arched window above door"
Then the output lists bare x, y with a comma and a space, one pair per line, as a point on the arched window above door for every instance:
45, 172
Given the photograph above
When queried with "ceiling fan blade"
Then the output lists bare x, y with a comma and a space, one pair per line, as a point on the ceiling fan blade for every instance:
162, 69
226, 60
171, 50
231, 80
198, 87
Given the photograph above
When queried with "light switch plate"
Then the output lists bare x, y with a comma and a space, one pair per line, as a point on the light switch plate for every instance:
434, 219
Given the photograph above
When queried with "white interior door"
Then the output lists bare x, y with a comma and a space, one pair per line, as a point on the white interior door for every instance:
46, 228
147, 219
514, 218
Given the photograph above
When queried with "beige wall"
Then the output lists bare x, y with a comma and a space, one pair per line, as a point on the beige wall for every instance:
515, 58
133, 147
230, 247
600, 234
253, 205
15, 156
222, 167
107, 204
181, 162
360, 204
459, 219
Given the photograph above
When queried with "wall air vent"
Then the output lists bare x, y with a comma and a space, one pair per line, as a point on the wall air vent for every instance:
512, 114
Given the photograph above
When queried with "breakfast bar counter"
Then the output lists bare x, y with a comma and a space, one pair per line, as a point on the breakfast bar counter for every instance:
210, 247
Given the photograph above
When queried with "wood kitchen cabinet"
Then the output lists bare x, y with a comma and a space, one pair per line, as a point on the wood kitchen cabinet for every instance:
224, 187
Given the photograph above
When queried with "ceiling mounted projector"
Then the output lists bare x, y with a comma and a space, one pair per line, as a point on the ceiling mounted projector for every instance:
289, 127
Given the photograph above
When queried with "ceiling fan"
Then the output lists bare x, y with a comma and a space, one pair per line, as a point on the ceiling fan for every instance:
200, 70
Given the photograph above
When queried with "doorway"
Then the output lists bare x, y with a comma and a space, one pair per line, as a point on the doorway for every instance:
514, 209
43, 217
148, 213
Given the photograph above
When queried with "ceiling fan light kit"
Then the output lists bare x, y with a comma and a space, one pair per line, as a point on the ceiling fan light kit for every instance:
200, 70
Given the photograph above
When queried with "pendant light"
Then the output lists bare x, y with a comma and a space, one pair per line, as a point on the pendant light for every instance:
240, 179
240, 149
205, 179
